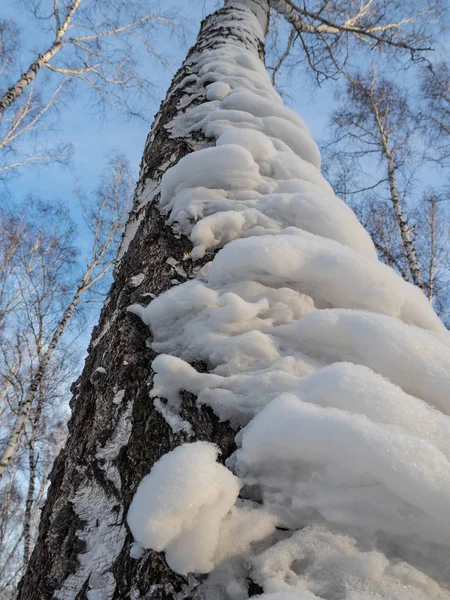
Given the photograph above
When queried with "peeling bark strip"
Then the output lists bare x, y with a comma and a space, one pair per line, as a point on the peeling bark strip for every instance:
115, 434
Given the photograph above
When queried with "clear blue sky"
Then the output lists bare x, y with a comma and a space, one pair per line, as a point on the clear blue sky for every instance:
93, 138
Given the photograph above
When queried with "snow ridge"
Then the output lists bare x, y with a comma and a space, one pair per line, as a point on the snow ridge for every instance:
335, 369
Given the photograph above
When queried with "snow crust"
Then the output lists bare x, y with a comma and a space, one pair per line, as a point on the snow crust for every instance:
335, 371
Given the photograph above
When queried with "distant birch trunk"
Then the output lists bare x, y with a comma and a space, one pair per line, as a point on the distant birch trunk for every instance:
405, 232
376, 118
25, 407
115, 433
27, 78
32, 467
381, 117
27, 539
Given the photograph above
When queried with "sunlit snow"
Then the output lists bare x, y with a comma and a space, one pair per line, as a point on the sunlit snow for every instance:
336, 370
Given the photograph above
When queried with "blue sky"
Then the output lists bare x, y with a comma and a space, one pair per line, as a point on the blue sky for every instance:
92, 138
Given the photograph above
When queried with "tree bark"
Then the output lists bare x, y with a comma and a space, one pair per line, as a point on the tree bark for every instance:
115, 433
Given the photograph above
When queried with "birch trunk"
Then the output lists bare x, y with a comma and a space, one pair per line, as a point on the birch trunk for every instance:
27, 542
115, 433
27, 78
407, 243
32, 467
409, 250
36, 380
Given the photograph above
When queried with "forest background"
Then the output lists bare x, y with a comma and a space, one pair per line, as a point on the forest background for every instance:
66, 184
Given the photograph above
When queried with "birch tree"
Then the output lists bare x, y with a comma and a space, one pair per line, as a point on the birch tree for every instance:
377, 123
38, 348
29, 299
79, 48
248, 300
98, 45
432, 235
24, 485
40, 296
408, 224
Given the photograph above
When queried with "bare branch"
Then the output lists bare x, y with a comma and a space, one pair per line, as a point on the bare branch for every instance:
330, 30
116, 55
290, 43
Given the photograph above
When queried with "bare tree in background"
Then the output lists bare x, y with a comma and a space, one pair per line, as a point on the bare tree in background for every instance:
41, 294
116, 434
100, 45
37, 259
377, 122
434, 120
24, 485
409, 227
433, 243
38, 292
435, 113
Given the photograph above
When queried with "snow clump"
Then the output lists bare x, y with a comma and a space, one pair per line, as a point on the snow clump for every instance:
334, 369
179, 507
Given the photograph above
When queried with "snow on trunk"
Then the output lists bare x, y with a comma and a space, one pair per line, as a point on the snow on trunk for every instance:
336, 369
269, 314
117, 430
